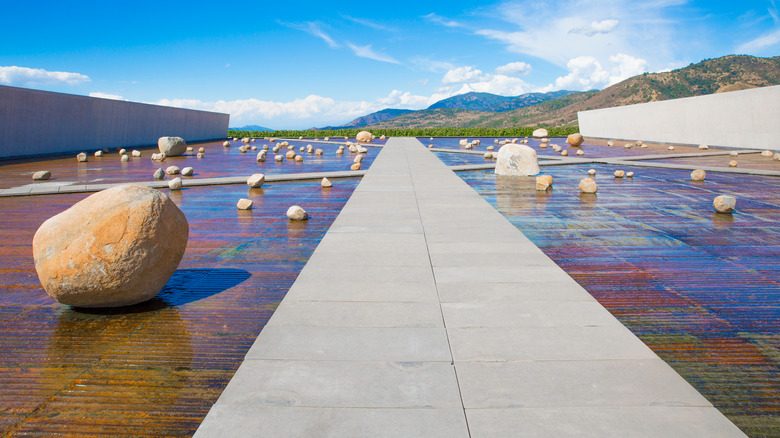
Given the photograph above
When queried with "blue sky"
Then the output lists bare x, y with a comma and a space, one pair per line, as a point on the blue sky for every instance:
304, 64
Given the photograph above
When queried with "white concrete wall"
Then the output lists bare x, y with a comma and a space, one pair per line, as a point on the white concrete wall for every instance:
34, 122
740, 119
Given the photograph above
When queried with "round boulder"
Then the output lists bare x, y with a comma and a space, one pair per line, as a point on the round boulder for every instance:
516, 160
698, 175
296, 213
117, 247
588, 185
575, 139
724, 203
364, 137
539, 133
172, 146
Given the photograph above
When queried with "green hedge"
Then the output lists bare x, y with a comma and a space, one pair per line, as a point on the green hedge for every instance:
414, 132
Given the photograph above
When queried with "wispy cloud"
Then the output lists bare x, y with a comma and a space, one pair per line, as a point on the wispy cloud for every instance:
369, 53
367, 23
312, 28
756, 45
434, 18
596, 27
29, 77
106, 95
431, 65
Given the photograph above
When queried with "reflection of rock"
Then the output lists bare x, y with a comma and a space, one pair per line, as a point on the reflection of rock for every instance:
141, 351
515, 195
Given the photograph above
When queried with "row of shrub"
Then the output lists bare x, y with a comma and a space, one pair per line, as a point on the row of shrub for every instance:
412, 132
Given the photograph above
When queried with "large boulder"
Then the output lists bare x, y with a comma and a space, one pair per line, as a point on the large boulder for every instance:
172, 146
364, 137
575, 139
516, 160
539, 133
115, 248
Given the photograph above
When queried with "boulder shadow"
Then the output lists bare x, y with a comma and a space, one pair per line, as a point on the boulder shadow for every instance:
185, 286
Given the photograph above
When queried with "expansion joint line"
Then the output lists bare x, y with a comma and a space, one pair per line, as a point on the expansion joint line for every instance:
438, 297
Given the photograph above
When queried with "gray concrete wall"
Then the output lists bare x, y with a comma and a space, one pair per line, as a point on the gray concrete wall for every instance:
34, 122
740, 119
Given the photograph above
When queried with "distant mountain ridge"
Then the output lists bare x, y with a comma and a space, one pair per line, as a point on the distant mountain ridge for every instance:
251, 128
723, 74
475, 101
375, 117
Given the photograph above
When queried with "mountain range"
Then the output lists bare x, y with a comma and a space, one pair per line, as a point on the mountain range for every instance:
728, 73
251, 128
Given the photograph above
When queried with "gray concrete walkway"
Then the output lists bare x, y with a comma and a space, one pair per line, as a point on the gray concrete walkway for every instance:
425, 313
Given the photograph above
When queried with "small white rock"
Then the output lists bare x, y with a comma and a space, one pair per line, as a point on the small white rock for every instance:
256, 180
296, 213
187, 171
244, 204
724, 203
175, 184
591, 172
325, 183
125, 158
172, 170
81, 158
619, 174
98, 153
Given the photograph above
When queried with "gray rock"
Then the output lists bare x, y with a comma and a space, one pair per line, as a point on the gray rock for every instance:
256, 180
172, 146
175, 184
42, 175
296, 213
724, 204
159, 174
516, 160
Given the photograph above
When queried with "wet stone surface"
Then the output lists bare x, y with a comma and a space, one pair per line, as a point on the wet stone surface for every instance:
156, 368
701, 289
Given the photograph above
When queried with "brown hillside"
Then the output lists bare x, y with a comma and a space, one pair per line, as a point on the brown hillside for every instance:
727, 74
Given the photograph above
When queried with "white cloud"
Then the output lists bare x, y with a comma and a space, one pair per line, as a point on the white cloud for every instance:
596, 27
369, 53
560, 30
313, 110
27, 77
461, 75
312, 28
106, 96
434, 18
586, 72
368, 23
765, 41
514, 69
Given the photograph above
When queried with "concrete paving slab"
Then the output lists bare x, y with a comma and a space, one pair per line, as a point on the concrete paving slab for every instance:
602, 421
356, 289
528, 313
574, 383
400, 344
267, 421
552, 343
358, 314
343, 384
484, 292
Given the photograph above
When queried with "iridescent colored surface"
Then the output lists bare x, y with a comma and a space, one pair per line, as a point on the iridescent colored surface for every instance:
218, 161
701, 289
154, 369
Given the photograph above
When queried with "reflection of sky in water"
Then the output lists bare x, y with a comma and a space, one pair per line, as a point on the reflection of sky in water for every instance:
156, 368
702, 289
